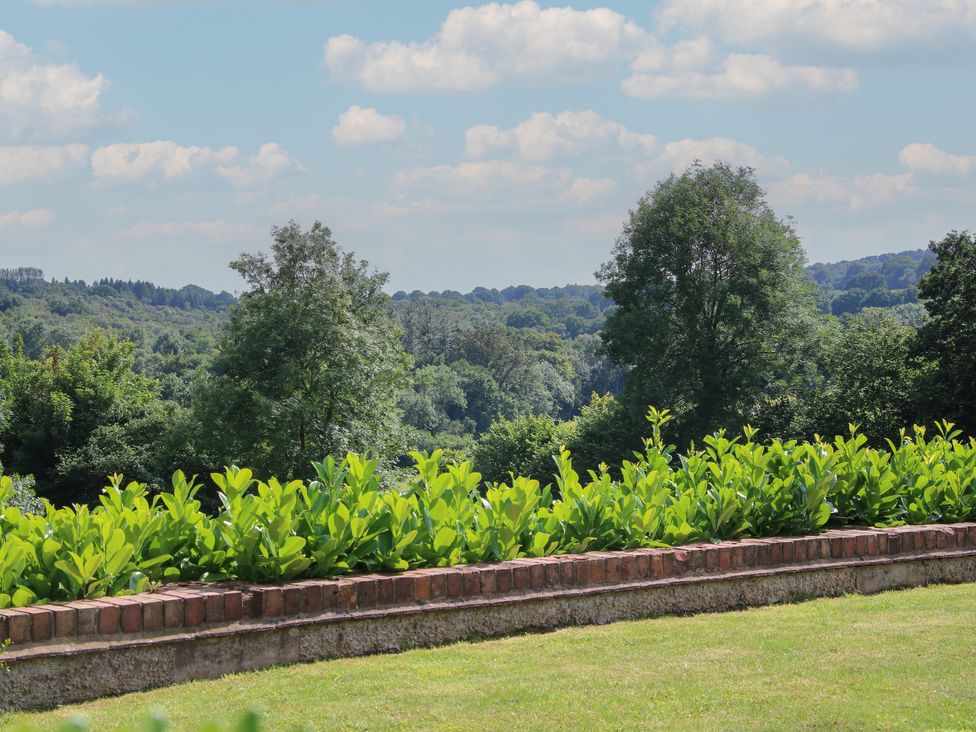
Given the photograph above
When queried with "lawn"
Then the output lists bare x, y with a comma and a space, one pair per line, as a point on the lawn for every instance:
899, 660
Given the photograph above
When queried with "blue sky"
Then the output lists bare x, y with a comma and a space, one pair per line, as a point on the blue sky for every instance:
461, 145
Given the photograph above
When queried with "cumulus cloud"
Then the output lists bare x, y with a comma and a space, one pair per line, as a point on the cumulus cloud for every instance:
270, 162
40, 99
545, 136
854, 192
170, 160
37, 218
133, 161
857, 25
19, 163
479, 47
927, 158
585, 191
366, 126
738, 76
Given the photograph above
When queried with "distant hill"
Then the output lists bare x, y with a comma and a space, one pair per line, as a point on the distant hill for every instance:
165, 321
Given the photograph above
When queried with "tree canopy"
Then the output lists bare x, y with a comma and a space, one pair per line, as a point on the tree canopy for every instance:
712, 303
310, 362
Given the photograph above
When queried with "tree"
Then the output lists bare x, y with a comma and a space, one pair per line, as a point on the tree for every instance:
870, 378
310, 363
74, 416
712, 303
949, 336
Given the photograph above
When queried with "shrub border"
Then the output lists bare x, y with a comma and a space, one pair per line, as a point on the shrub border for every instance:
180, 608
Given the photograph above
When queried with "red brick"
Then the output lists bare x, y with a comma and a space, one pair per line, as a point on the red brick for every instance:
421, 586
367, 590
627, 567
552, 571
789, 551
213, 605
504, 578
438, 582
583, 569
384, 590
152, 613
130, 613
42, 622
775, 552
403, 588
850, 546
348, 598
725, 557
811, 547
537, 574
598, 568
642, 563
270, 602
882, 541
64, 620
172, 611
311, 596
668, 564
3, 628
18, 626
521, 579
613, 567
496, 580
109, 618
567, 570
233, 605
87, 617
292, 600
195, 606
330, 595
861, 544
763, 552
471, 581
921, 540
872, 545
713, 554
454, 578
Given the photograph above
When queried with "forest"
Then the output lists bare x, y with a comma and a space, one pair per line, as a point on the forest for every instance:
705, 307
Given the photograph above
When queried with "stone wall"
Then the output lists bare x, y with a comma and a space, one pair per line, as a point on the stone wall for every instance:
70, 652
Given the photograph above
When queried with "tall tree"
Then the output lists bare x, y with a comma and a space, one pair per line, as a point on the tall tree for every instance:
712, 304
310, 363
949, 335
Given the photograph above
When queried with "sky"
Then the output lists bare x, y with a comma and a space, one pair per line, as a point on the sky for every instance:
456, 145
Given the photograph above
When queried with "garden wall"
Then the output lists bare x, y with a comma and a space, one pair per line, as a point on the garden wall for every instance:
81, 650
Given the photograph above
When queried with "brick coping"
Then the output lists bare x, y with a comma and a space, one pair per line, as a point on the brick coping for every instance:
187, 611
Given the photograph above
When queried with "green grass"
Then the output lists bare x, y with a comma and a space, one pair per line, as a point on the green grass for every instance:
899, 660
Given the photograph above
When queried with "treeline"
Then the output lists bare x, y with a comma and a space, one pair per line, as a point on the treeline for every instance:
706, 308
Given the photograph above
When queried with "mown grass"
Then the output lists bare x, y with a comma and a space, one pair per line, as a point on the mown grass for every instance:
899, 660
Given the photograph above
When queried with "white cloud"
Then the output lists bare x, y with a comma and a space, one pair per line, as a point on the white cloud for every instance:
35, 219
214, 230
545, 136
270, 162
927, 158
491, 177
366, 126
585, 191
738, 76
39, 99
853, 192
19, 163
479, 47
678, 155
858, 25
134, 161
170, 160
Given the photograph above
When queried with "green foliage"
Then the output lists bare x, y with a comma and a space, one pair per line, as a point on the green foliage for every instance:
75, 415
522, 446
310, 362
949, 336
712, 303
344, 521
872, 378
